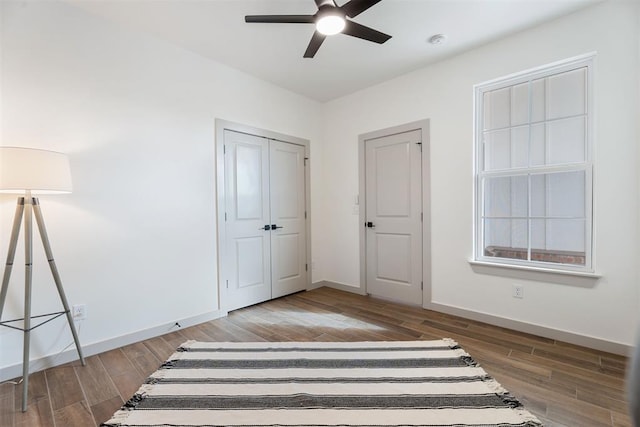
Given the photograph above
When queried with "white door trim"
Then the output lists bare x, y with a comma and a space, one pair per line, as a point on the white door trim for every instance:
423, 126
220, 127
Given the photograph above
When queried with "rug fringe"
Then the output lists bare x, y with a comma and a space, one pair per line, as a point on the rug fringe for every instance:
118, 419
453, 344
121, 415
170, 363
468, 360
138, 397
133, 402
529, 419
458, 352
185, 345
510, 400
158, 375
152, 380
495, 386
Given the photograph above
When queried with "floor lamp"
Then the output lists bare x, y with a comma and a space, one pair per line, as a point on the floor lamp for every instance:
27, 171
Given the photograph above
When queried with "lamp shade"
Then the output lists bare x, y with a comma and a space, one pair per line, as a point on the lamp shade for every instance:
39, 171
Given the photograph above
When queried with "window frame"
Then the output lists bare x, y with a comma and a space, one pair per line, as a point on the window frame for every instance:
584, 61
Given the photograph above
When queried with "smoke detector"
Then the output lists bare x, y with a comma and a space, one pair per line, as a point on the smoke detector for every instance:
437, 39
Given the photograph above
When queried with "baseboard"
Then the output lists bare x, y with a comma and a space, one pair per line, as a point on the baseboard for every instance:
339, 286
529, 328
316, 285
56, 359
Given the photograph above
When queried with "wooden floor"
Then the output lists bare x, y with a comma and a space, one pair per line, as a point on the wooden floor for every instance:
562, 384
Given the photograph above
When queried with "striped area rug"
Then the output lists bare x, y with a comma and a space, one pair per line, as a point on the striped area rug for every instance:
403, 383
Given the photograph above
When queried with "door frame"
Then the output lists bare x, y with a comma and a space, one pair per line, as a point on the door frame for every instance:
220, 126
423, 127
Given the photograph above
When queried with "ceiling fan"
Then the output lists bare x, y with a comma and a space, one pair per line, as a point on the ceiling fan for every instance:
330, 19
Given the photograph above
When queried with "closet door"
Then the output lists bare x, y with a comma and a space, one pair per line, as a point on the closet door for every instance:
288, 237
248, 252
265, 226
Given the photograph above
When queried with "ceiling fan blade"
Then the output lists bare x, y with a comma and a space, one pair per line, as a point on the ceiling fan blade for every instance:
360, 31
356, 7
314, 44
280, 19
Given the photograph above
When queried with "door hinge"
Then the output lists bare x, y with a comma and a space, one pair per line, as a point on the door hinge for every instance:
227, 284
419, 144
305, 161
305, 214
421, 216
421, 286
225, 216
224, 149
306, 267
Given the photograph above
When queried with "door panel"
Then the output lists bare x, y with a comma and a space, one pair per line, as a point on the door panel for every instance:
248, 254
249, 182
393, 206
289, 265
393, 180
393, 260
288, 244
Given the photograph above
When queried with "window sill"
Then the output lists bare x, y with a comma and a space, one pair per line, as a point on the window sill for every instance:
536, 269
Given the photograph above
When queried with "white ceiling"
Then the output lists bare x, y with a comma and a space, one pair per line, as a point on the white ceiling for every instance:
273, 52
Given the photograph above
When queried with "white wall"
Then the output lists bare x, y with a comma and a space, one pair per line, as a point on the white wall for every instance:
135, 241
605, 309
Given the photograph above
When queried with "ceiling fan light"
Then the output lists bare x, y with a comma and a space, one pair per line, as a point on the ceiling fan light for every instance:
330, 24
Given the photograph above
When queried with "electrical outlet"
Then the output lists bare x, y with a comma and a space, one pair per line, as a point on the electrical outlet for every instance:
79, 312
518, 291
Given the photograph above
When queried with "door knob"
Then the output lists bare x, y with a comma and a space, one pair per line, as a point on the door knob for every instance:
275, 227
369, 225
266, 228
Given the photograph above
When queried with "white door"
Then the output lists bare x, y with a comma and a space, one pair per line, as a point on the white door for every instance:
265, 219
393, 182
248, 252
288, 239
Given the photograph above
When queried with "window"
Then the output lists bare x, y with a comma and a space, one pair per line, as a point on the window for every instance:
533, 171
